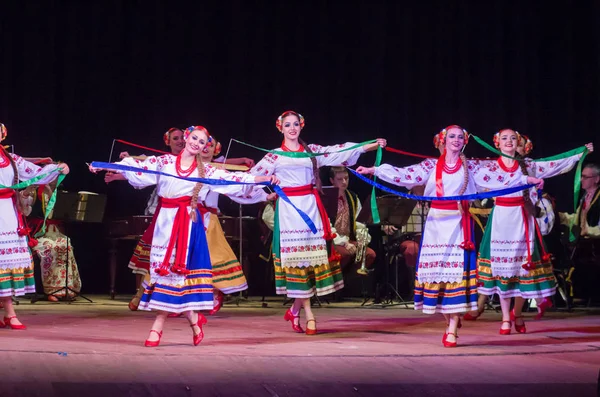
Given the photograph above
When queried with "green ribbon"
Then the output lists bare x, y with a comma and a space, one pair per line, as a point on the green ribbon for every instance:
51, 202
559, 156
374, 209
576, 192
305, 154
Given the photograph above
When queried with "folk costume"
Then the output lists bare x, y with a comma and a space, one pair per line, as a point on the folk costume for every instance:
512, 260
180, 267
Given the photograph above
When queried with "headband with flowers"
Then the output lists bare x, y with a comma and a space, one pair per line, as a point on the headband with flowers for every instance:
167, 135
527, 145
440, 137
218, 147
3, 132
279, 122
497, 137
193, 128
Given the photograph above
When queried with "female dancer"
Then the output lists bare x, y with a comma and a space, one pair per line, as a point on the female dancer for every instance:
16, 270
180, 277
228, 276
512, 259
303, 266
446, 276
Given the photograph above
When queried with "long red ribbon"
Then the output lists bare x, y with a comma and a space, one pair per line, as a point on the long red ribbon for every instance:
141, 147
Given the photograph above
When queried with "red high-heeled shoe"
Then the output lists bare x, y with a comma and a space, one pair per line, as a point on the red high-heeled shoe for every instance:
445, 340
546, 304
505, 331
469, 317
289, 316
8, 323
519, 328
311, 331
201, 321
218, 305
132, 306
153, 343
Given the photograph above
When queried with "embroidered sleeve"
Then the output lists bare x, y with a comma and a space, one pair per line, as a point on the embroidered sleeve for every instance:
29, 170
266, 166
548, 169
409, 177
346, 159
139, 179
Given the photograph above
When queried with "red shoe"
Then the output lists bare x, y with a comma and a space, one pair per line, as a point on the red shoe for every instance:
469, 317
153, 343
505, 331
132, 306
8, 323
289, 316
546, 304
218, 305
311, 331
519, 328
201, 321
445, 340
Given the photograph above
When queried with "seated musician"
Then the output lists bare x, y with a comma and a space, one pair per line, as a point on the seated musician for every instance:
585, 225
587, 217
351, 235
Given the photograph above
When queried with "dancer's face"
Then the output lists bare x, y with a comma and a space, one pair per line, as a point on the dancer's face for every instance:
176, 142
196, 142
455, 140
508, 142
290, 127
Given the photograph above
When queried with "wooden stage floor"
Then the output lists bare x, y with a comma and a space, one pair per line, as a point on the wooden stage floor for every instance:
96, 349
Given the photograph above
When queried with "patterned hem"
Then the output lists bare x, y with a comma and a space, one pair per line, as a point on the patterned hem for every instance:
514, 293
161, 306
4, 293
138, 270
231, 290
446, 309
298, 294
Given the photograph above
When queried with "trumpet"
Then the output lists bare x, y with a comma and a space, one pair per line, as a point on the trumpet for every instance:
363, 238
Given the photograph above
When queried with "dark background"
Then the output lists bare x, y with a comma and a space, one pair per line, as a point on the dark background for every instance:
77, 74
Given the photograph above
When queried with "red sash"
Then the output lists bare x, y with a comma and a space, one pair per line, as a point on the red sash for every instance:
304, 191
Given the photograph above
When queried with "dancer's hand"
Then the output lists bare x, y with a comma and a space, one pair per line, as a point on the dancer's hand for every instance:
366, 170
64, 168
122, 155
113, 176
272, 197
536, 181
372, 146
590, 147
248, 162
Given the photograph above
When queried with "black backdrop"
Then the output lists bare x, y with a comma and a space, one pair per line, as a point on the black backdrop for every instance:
76, 74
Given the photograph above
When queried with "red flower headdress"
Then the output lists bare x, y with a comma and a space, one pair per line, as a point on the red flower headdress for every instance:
279, 121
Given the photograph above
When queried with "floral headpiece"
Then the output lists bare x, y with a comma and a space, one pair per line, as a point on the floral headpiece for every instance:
279, 122
3, 132
497, 137
218, 147
192, 128
440, 138
167, 135
527, 146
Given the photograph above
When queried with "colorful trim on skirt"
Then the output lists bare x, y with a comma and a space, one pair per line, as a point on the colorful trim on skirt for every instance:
304, 282
448, 298
196, 290
228, 276
16, 282
140, 260
537, 283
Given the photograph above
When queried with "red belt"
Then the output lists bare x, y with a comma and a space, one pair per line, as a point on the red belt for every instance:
179, 234
304, 191
520, 202
6, 193
451, 205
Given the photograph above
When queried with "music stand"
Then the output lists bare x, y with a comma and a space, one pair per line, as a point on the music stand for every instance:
76, 207
393, 210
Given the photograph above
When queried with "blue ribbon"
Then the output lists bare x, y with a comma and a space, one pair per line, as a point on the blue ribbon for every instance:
207, 181
476, 196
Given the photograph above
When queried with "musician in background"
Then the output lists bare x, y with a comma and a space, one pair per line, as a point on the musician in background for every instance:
352, 237
587, 216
